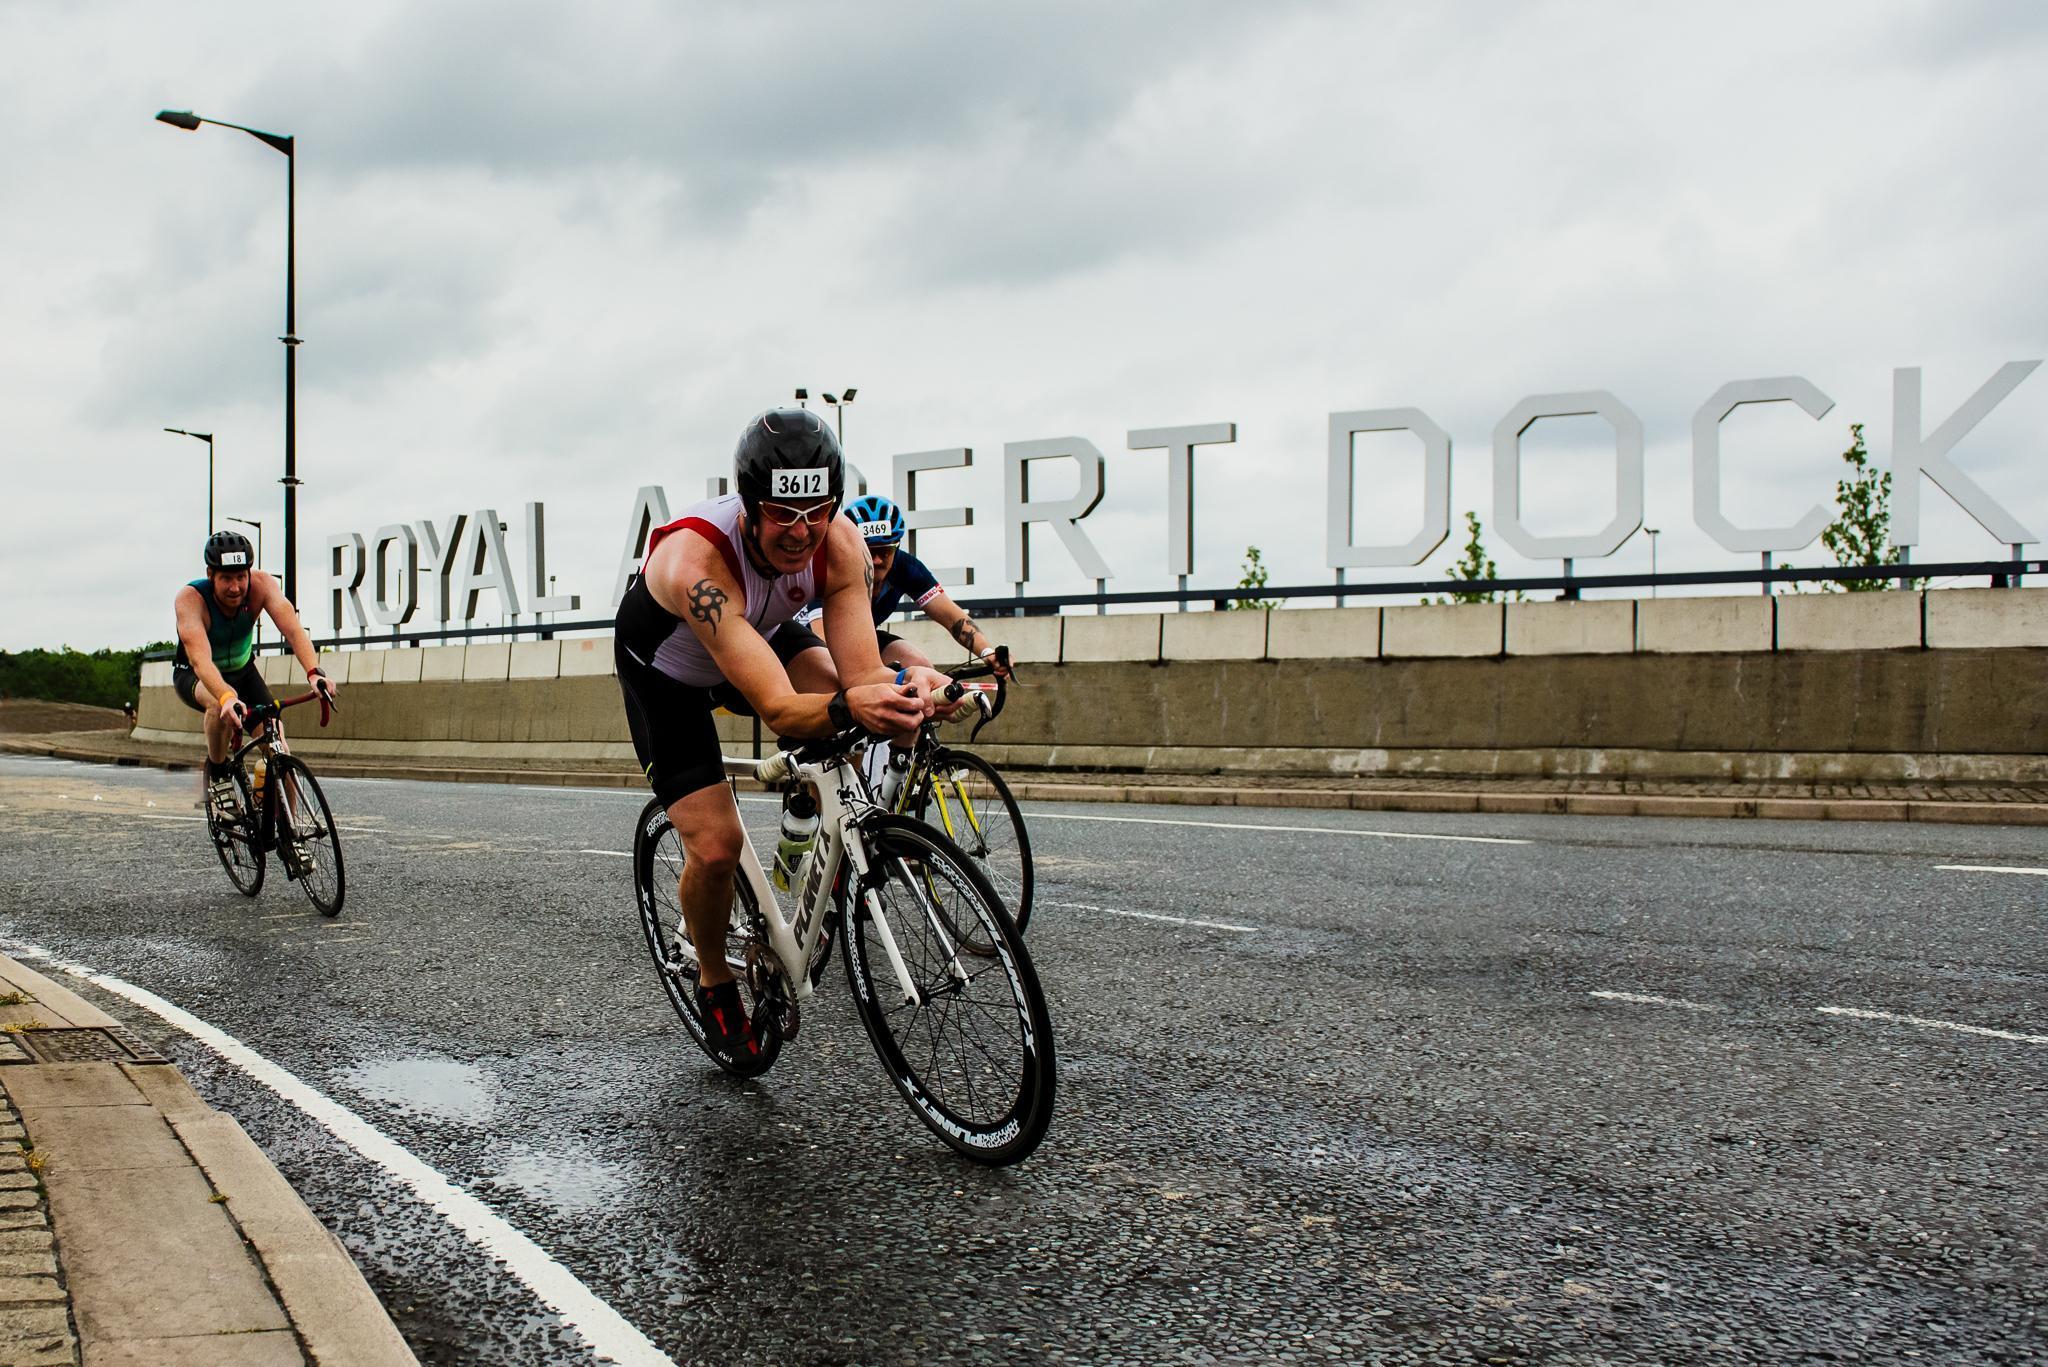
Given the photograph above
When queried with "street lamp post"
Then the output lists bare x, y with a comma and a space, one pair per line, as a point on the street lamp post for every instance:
187, 120
1651, 532
206, 437
252, 522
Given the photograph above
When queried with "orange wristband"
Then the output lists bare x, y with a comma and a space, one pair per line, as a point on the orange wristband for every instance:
227, 695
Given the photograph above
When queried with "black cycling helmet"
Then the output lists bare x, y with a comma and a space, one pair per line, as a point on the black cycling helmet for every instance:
229, 551
778, 454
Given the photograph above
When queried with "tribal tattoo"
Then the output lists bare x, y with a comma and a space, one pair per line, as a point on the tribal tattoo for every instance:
963, 632
707, 603
867, 568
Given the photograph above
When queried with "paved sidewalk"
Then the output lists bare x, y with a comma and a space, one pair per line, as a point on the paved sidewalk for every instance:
141, 1228
1973, 803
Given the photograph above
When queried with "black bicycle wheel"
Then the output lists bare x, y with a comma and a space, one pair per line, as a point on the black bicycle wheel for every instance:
237, 841
971, 1051
962, 794
307, 844
657, 874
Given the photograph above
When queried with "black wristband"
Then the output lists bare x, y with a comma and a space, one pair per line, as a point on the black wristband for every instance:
838, 713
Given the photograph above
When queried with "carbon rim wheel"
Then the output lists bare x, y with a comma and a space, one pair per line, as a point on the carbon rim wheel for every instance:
241, 853
303, 828
973, 1054
657, 872
962, 795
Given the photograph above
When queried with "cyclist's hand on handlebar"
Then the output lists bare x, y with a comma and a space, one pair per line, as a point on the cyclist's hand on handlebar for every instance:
934, 687
324, 686
234, 712
888, 709
998, 658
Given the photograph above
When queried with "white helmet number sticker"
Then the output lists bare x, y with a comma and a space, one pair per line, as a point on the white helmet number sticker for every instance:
877, 531
798, 484
232, 558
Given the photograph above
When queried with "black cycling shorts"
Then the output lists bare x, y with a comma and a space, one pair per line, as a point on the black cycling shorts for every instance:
246, 681
674, 735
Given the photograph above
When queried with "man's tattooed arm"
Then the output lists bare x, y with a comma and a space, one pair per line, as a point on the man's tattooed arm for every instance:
963, 632
707, 603
867, 569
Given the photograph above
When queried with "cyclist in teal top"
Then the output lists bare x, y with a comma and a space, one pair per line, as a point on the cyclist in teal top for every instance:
215, 672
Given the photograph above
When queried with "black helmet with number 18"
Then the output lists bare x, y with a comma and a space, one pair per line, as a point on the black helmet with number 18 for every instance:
787, 455
229, 551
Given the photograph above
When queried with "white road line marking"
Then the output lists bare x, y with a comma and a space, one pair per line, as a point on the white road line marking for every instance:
155, 816
1247, 826
1644, 999
1155, 916
603, 1329
1861, 1014
1990, 868
609, 854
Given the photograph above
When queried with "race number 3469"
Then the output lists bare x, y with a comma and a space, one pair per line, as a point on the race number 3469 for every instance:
799, 484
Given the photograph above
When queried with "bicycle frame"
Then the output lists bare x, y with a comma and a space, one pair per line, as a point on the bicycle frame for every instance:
843, 802
268, 736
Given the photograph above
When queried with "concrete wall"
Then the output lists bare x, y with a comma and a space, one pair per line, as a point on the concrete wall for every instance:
1838, 685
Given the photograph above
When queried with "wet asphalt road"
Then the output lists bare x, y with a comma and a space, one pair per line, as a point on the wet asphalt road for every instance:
1386, 1120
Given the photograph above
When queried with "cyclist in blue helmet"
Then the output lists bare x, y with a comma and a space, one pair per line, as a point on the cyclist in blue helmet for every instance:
899, 575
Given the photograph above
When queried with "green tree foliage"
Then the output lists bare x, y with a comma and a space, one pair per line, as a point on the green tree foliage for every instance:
1860, 535
1254, 578
1476, 565
105, 678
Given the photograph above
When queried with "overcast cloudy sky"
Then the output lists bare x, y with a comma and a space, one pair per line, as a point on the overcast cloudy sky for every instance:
557, 252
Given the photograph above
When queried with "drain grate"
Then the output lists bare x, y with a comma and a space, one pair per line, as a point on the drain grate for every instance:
79, 1044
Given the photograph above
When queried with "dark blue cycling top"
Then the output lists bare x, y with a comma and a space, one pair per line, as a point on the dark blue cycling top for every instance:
907, 578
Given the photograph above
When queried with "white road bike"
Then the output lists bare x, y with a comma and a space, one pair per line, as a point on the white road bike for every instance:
939, 974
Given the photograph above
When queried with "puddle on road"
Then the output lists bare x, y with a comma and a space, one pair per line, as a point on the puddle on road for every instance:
438, 1087
572, 1186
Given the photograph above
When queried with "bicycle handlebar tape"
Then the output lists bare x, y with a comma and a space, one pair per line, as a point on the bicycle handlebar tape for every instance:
779, 767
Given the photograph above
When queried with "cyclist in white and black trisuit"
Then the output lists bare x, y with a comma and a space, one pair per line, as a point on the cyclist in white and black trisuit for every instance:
708, 622
215, 671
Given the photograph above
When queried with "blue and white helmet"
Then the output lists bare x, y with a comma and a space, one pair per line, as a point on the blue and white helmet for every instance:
879, 520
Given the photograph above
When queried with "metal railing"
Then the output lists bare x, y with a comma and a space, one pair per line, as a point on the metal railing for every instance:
2001, 573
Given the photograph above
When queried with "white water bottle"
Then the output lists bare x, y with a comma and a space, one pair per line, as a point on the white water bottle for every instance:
799, 832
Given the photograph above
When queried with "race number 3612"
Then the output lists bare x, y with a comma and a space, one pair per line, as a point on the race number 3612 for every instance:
799, 484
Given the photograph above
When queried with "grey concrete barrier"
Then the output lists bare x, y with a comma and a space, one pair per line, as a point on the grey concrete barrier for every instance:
1949, 684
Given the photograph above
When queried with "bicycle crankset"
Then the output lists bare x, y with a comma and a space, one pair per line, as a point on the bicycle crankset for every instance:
764, 978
